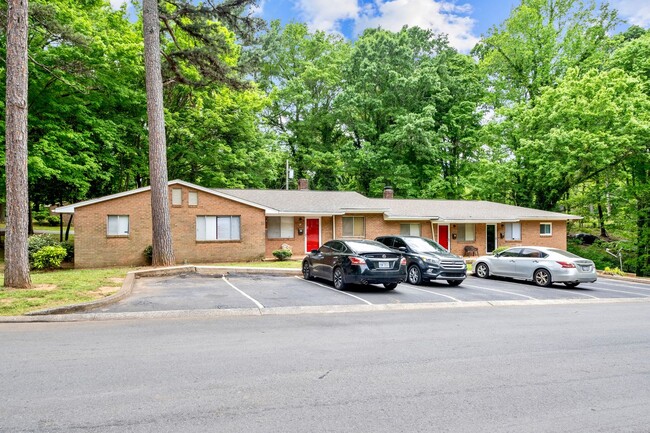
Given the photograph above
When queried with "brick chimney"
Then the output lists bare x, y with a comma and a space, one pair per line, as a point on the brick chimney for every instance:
388, 192
303, 184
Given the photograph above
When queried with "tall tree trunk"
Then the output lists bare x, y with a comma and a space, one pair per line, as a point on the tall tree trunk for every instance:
163, 251
16, 257
601, 221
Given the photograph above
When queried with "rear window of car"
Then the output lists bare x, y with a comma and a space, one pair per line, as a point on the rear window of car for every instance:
564, 253
367, 247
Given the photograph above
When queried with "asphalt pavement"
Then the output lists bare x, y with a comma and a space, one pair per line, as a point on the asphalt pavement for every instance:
187, 292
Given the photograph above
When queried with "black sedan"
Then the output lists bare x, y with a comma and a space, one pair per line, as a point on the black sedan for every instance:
355, 262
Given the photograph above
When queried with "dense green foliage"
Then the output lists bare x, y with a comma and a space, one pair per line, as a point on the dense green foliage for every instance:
282, 254
549, 111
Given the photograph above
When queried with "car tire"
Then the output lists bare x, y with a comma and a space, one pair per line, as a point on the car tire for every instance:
338, 279
454, 283
414, 275
306, 271
572, 284
390, 286
542, 278
482, 270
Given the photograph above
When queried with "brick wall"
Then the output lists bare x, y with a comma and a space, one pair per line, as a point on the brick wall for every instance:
93, 248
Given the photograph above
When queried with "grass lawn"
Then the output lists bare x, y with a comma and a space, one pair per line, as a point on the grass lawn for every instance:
73, 286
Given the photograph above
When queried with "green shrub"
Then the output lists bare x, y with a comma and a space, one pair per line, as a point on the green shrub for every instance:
40, 217
614, 271
37, 242
601, 258
53, 220
69, 250
49, 257
282, 254
148, 254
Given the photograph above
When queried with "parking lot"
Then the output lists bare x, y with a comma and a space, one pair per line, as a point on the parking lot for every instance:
240, 291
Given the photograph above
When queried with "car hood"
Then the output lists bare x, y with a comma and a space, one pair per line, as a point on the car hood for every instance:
445, 255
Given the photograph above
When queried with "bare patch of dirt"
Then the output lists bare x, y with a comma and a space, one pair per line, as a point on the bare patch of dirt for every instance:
103, 291
46, 287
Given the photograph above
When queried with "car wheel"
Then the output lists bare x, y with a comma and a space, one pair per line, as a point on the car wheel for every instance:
339, 279
414, 275
482, 270
572, 284
306, 272
390, 286
542, 277
454, 283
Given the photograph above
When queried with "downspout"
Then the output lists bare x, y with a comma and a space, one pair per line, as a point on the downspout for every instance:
433, 234
333, 226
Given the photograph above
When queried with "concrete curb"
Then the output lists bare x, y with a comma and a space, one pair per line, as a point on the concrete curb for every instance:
625, 278
283, 311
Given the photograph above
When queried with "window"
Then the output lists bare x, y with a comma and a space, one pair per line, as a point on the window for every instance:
513, 231
177, 196
409, 229
280, 227
217, 228
193, 198
118, 225
354, 226
545, 229
466, 232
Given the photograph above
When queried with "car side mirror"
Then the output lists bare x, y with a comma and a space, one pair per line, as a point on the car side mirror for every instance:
315, 252
402, 249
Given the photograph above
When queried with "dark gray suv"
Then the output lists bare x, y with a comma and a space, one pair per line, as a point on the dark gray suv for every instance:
427, 260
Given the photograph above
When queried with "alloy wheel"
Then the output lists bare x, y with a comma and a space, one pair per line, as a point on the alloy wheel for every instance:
542, 278
482, 270
415, 275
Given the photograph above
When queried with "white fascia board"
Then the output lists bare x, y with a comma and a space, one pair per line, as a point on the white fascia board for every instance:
409, 218
71, 208
477, 221
550, 218
356, 210
304, 214
222, 195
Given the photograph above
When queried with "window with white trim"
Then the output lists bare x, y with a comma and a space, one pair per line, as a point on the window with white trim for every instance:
354, 226
177, 196
280, 227
409, 229
117, 225
513, 231
545, 229
466, 232
218, 228
192, 198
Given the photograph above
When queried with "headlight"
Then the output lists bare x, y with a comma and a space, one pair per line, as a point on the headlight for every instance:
430, 260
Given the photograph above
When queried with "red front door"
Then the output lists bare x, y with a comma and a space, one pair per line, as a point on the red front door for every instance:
313, 234
443, 236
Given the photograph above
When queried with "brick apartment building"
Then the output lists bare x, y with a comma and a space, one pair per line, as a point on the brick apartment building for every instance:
222, 225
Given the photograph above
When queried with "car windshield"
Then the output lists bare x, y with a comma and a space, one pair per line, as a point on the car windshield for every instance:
420, 245
564, 253
367, 247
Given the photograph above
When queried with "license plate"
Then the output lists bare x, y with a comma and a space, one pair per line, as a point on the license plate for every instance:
384, 265
586, 268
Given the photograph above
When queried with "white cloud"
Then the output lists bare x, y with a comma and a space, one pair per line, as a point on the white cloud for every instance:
327, 14
258, 10
634, 11
116, 4
438, 16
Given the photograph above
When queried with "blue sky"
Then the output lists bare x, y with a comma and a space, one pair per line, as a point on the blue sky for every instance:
463, 20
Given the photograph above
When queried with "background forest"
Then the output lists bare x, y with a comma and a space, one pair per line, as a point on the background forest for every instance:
550, 110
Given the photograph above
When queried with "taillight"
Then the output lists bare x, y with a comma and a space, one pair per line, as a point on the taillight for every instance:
357, 260
566, 264
402, 262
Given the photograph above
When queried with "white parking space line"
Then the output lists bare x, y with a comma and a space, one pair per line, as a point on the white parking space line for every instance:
410, 286
623, 291
631, 285
500, 291
231, 285
334, 290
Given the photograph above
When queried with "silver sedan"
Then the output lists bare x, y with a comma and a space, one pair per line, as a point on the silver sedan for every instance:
542, 265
